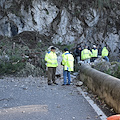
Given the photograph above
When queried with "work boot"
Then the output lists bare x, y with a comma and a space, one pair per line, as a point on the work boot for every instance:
49, 83
55, 83
67, 84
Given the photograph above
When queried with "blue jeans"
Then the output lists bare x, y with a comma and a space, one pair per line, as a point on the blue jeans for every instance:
106, 58
66, 74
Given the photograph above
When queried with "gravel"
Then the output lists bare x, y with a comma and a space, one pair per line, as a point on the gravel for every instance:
31, 98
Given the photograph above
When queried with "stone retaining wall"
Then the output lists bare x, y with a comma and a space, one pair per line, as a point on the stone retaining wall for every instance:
105, 86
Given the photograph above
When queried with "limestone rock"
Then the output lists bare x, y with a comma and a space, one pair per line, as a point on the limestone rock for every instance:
79, 83
63, 22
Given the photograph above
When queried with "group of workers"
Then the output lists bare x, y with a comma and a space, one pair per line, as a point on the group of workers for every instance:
86, 55
67, 62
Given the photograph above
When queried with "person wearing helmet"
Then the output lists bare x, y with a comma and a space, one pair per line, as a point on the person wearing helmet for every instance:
94, 53
51, 59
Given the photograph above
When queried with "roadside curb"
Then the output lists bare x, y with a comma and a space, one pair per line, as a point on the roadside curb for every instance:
94, 106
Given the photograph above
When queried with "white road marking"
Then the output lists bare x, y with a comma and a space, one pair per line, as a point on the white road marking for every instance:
95, 107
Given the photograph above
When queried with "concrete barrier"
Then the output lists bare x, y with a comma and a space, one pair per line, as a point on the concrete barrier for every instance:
105, 86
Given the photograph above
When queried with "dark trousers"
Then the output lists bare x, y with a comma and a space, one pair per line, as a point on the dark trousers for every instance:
51, 74
93, 59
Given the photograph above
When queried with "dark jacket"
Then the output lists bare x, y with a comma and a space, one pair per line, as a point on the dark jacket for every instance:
77, 52
100, 51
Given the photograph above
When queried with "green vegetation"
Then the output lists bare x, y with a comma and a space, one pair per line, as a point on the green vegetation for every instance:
61, 46
10, 60
114, 72
100, 4
10, 68
117, 73
112, 68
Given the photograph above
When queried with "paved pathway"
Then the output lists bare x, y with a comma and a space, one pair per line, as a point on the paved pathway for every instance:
32, 99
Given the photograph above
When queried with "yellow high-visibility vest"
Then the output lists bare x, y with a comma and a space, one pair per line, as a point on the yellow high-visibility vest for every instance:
94, 53
51, 59
104, 52
68, 61
85, 54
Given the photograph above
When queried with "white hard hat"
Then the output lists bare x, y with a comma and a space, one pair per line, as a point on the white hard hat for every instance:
94, 46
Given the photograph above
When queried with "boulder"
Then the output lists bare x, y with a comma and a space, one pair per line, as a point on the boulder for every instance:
101, 65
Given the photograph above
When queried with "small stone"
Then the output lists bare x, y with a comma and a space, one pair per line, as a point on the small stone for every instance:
25, 88
58, 106
96, 117
75, 74
79, 84
23, 111
73, 118
12, 80
112, 109
88, 117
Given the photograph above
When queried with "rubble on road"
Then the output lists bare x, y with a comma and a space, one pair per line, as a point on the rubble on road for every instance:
79, 83
111, 68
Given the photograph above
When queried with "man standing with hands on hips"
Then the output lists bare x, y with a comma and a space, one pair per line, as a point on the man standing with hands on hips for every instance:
51, 59
67, 62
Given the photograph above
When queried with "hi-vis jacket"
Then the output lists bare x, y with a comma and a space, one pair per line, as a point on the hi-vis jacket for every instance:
68, 61
94, 53
51, 59
104, 52
85, 54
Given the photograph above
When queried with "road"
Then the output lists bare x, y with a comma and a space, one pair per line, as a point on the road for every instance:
32, 99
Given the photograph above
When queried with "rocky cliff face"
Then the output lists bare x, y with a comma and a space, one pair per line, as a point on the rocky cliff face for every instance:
64, 21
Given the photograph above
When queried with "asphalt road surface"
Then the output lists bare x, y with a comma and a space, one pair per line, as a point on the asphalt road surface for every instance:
32, 99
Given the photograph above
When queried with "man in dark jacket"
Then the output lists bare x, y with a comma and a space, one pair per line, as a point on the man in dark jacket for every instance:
100, 50
77, 53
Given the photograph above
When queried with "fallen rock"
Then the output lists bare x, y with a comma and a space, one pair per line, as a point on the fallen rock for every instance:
78, 84
101, 65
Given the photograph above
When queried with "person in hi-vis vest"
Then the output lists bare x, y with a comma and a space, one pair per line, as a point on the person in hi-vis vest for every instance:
51, 59
68, 66
94, 54
105, 54
86, 55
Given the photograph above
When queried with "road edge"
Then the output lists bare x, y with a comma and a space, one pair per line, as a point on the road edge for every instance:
92, 103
